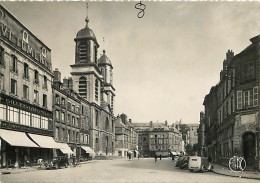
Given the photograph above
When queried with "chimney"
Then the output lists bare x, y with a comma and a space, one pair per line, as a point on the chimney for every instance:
124, 118
229, 55
57, 75
130, 121
166, 123
151, 124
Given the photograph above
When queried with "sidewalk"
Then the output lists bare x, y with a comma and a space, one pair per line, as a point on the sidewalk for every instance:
222, 170
29, 169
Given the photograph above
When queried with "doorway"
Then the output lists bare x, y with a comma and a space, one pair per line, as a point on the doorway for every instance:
249, 148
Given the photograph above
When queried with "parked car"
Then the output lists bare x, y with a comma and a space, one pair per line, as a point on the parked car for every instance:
197, 163
182, 162
59, 162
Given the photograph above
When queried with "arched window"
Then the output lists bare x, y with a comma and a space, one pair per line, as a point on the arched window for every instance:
107, 124
83, 87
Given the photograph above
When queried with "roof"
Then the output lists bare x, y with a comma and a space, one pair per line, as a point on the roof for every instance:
86, 32
104, 60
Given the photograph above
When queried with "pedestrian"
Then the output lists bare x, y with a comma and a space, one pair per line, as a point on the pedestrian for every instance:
160, 157
155, 158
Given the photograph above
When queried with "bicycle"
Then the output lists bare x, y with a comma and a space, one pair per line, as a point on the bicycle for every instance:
237, 164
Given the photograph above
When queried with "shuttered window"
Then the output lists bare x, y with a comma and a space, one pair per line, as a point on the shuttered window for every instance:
255, 96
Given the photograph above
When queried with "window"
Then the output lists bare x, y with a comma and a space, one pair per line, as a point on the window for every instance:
73, 120
96, 90
13, 65
36, 120
78, 110
57, 133
25, 71
83, 87
248, 98
82, 109
68, 119
44, 122
57, 99
255, 96
44, 102
64, 134
1, 82
25, 92
96, 118
36, 97
107, 123
2, 112
77, 122
2, 61
63, 102
13, 86
69, 106
36, 77
63, 117
45, 86
25, 118
239, 99
73, 107
68, 136
57, 115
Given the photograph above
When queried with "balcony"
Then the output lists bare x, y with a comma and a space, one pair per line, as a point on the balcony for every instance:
36, 81
26, 77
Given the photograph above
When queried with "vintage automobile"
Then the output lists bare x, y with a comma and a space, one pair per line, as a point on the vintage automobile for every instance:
182, 162
197, 163
59, 162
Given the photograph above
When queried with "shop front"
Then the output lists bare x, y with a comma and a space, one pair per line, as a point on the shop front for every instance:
87, 153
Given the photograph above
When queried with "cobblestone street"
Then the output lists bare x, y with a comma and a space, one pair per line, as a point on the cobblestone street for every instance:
122, 170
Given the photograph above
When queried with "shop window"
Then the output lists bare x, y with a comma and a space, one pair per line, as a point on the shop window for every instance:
25, 92
36, 97
44, 122
25, 71
25, 118
2, 112
13, 86
36, 121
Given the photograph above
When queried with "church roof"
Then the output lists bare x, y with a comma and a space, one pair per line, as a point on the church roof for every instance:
104, 60
87, 33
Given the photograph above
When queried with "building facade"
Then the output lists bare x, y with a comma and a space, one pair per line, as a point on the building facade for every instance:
158, 138
126, 137
26, 94
232, 108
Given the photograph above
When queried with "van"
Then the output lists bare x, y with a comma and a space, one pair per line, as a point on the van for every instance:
197, 163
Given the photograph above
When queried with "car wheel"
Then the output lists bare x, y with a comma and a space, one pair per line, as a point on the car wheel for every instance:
203, 169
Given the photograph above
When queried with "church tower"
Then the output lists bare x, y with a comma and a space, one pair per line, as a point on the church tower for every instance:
108, 91
85, 72
93, 81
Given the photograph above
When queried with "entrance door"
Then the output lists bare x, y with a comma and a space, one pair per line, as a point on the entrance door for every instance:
249, 148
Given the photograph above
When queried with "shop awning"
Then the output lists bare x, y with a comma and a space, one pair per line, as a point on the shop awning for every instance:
88, 149
15, 138
44, 141
65, 149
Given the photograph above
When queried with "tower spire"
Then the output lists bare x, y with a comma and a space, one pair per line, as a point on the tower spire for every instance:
104, 45
87, 20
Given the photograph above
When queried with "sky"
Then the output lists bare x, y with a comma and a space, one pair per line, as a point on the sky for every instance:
164, 63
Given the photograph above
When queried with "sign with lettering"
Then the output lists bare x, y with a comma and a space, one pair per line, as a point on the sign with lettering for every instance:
18, 127
15, 33
5, 99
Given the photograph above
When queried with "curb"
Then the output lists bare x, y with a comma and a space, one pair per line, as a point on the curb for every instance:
244, 177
